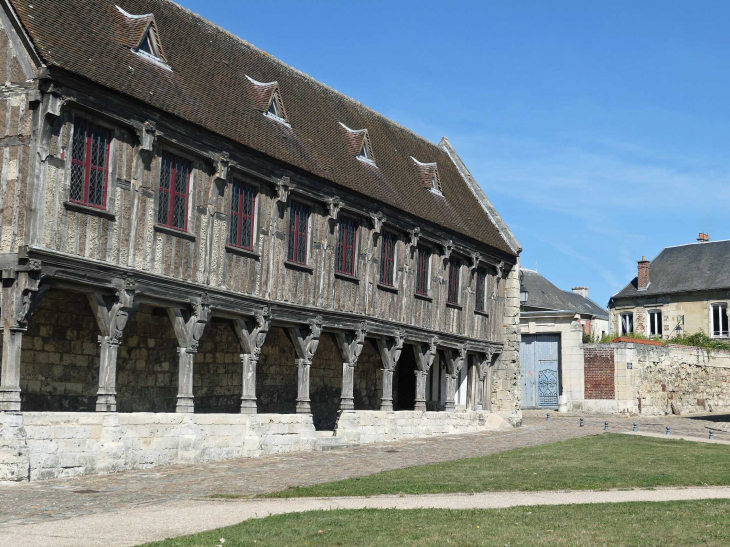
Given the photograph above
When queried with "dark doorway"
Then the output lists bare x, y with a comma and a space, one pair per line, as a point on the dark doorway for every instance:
405, 398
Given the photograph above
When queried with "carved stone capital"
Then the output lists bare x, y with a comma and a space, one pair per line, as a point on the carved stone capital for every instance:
377, 221
447, 246
476, 257
222, 164
414, 234
283, 188
334, 204
146, 134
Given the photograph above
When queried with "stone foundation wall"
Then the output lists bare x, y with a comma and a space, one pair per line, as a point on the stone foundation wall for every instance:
361, 426
46, 445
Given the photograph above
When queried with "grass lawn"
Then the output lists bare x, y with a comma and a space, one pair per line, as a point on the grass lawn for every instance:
596, 462
670, 523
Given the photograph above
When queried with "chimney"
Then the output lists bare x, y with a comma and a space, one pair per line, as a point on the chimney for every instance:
643, 273
583, 291
703, 238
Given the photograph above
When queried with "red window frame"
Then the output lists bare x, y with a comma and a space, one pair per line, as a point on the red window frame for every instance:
298, 232
481, 291
422, 270
85, 164
454, 281
387, 259
242, 216
346, 245
168, 194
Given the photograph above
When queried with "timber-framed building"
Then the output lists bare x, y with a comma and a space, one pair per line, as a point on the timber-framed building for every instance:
192, 228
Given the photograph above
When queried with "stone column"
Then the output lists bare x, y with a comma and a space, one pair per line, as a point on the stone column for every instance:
449, 405
251, 335
389, 350
10, 372
420, 390
305, 341
425, 354
303, 406
21, 293
248, 390
350, 346
112, 316
185, 400
455, 359
386, 402
188, 325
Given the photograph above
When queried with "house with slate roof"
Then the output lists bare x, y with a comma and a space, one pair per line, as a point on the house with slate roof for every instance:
190, 226
553, 325
684, 290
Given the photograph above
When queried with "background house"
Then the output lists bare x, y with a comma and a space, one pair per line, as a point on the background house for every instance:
684, 290
553, 324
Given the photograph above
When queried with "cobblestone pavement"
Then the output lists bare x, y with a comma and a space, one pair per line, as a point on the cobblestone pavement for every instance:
40, 501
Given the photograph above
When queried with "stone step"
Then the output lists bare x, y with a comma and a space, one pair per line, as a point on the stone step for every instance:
331, 443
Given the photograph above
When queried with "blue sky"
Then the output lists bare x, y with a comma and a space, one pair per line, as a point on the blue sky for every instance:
599, 130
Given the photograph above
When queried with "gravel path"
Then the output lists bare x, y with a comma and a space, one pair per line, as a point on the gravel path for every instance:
139, 525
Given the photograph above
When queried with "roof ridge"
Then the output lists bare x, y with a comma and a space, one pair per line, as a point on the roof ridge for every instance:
304, 74
695, 243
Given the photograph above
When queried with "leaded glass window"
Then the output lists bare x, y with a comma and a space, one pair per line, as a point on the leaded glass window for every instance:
243, 210
346, 243
387, 259
298, 232
89, 164
454, 280
173, 199
481, 301
423, 270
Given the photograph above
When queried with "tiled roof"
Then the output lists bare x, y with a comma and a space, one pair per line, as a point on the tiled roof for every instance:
209, 86
685, 268
543, 295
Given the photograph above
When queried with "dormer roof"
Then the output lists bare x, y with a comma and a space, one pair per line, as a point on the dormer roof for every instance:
209, 87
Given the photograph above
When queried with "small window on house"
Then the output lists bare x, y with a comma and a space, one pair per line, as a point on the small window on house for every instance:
365, 152
387, 259
481, 292
655, 323
627, 323
719, 320
346, 244
275, 109
454, 281
173, 197
243, 214
298, 232
89, 164
423, 270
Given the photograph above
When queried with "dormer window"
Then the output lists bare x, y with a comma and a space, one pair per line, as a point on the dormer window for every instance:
143, 37
358, 144
365, 152
429, 174
267, 96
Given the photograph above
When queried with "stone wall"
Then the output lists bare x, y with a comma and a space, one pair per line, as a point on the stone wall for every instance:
598, 370
650, 379
47, 445
505, 387
363, 426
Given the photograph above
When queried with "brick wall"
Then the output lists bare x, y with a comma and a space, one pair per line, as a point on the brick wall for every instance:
599, 373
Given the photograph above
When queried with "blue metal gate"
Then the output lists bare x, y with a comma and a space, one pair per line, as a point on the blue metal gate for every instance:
540, 356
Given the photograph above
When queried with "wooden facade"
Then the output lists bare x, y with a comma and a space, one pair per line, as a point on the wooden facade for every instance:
119, 255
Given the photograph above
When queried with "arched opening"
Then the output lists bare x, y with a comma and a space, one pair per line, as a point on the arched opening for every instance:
404, 393
325, 383
276, 375
147, 363
368, 384
59, 368
217, 373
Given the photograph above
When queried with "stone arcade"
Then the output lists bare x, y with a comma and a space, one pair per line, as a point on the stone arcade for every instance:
198, 265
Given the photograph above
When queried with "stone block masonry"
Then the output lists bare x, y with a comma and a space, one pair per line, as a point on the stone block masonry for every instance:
49, 445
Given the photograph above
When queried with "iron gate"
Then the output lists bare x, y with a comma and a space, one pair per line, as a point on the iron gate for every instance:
540, 356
